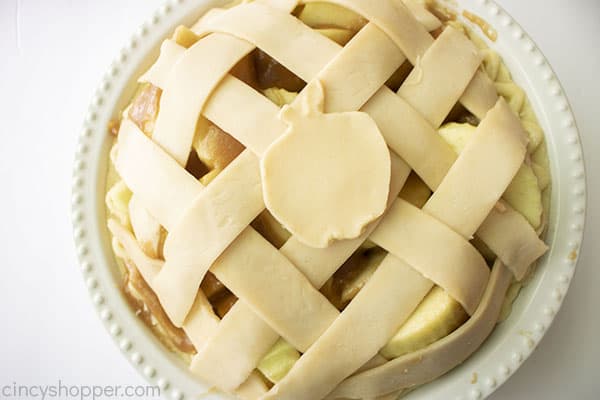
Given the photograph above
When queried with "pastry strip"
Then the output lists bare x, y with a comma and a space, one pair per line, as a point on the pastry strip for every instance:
483, 170
441, 75
436, 359
201, 324
343, 74
422, 15
138, 158
505, 234
410, 135
158, 73
456, 266
252, 110
223, 210
272, 286
480, 96
253, 388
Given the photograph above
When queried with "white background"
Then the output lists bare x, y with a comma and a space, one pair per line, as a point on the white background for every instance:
52, 55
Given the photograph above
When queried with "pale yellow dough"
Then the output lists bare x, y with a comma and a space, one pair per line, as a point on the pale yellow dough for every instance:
335, 162
455, 265
159, 72
446, 70
340, 194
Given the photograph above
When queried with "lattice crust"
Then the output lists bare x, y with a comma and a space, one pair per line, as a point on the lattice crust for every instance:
209, 227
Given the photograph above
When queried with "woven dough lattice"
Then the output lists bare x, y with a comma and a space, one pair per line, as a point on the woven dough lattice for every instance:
278, 289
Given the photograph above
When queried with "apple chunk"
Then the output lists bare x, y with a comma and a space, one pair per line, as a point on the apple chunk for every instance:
437, 316
278, 361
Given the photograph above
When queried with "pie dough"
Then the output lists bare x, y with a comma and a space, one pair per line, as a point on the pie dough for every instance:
327, 167
341, 196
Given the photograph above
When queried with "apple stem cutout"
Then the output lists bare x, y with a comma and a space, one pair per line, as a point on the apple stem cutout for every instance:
328, 176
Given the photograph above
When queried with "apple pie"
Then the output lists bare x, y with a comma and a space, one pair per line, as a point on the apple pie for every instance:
326, 199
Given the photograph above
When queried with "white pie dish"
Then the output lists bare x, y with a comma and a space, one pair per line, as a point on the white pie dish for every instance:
510, 343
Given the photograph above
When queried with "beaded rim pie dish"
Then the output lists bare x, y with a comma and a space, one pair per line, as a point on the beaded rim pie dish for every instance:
99, 275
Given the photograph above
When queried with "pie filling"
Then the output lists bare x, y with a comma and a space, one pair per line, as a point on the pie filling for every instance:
342, 205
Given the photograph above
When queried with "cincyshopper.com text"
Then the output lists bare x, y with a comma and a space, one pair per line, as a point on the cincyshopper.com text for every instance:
60, 390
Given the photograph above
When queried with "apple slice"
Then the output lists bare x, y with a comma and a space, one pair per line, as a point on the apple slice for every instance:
117, 201
328, 15
278, 361
280, 96
339, 35
354, 282
457, 135
525, 196
437, 316
351, 277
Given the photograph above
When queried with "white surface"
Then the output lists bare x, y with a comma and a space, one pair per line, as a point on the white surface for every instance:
55, 54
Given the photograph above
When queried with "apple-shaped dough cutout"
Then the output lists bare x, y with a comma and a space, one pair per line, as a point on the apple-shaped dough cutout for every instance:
328, 176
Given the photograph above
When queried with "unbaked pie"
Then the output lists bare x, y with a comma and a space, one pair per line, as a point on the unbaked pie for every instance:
326, 199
